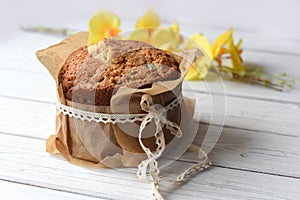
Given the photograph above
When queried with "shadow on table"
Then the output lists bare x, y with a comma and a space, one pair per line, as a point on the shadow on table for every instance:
230, 144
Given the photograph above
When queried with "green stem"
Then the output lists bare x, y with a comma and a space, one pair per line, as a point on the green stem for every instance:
42, 29
256, 77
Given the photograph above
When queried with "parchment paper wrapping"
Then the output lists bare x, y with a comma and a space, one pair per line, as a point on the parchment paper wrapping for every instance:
110, 145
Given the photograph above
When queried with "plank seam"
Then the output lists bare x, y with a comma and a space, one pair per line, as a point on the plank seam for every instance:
255, 171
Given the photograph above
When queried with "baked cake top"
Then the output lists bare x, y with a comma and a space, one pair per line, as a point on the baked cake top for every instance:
105, 67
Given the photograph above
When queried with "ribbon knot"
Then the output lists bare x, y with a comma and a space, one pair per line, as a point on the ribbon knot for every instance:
156, 111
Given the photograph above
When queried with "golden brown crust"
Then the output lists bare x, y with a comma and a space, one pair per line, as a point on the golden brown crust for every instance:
68, 72
90, 80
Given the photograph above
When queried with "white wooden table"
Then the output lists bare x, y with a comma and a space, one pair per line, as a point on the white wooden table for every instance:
256, 157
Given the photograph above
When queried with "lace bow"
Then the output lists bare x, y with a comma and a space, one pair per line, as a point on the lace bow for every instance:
148, 170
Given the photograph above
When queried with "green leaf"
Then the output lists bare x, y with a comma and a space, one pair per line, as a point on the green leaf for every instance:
242, 73
283, 74
282, 82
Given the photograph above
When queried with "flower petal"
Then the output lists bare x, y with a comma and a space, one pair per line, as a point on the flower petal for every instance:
199, 69
175, 27
239, 44
140, 34
237, 64
165, 38
202, 64
221, 41
192, 74
101, 24
199, 41
94, 38
149, 19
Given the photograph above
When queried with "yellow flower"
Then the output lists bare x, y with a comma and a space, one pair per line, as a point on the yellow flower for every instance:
148, 30
200, 67
223, 45
161, 37
166, 38
148, 20
201, 42
144, 26
218, 52
103, 24
140, 34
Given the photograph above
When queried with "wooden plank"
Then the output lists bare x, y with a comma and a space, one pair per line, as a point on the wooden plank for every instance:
254, 151
28, 163
11, 190
28, 85
221, 183
277, 148
30, 119
242, 90
252, 114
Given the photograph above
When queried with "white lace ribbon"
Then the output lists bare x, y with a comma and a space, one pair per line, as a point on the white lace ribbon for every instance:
158, 114
148, 170
98, 117
200, 166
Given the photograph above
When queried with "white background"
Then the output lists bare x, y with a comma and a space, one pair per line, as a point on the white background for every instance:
268, 17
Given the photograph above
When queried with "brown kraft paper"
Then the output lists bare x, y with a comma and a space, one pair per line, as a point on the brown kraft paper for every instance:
102, 145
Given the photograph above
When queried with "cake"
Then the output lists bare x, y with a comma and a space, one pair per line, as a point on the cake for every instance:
91, 75
111, 79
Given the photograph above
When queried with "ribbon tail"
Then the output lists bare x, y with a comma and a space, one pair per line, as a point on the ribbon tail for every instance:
173, 128
200, 166
145, 164
155, 193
